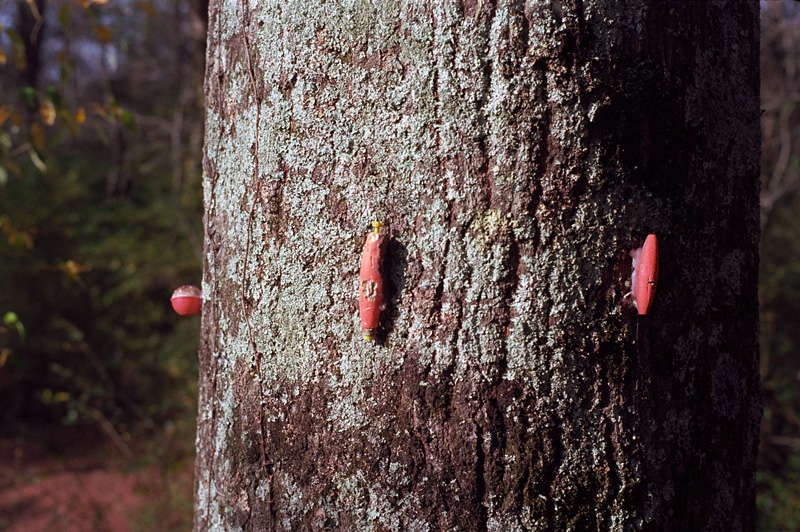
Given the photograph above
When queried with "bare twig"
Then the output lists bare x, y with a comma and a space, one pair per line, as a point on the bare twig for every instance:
112, 433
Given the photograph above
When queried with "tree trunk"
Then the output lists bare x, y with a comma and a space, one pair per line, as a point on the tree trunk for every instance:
30, 25
518, 151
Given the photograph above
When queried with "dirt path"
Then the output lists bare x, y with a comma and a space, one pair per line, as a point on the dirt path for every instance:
87, 489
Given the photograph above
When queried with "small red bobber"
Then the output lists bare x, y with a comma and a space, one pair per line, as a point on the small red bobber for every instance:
187, 300
645, 274
370, 282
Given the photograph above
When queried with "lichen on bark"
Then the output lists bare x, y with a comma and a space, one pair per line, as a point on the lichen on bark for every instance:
517, 151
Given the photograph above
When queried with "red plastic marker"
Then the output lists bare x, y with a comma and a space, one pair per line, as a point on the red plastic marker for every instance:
370, 282
187, 300
645, 274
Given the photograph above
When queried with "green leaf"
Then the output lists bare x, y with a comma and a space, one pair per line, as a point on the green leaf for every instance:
3, 175
28, 95
5, 142
10, 318
15, 37
72, 417
18, 45
127, 120
55, 96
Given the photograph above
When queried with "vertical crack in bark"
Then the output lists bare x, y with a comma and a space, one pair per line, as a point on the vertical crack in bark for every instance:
543, 156
550, 475
436, 308
251, 74
496, 423
482, 118
437, 113
524, 34
491, 7
522, 433
259, 410
418, 426
511, 283
609, 395
480, 481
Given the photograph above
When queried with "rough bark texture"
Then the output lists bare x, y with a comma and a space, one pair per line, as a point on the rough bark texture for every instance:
518, 151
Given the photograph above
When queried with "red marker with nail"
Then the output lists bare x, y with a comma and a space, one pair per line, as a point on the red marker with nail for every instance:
370, 282
645, 274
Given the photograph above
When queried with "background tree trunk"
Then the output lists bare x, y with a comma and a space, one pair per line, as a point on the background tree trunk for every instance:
30, 24
518, 151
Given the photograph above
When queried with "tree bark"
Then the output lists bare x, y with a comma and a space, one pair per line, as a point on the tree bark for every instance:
518, 151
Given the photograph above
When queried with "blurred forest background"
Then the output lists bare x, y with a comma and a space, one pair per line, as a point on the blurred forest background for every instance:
101, 130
